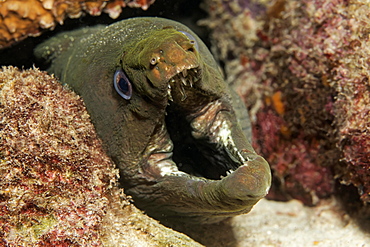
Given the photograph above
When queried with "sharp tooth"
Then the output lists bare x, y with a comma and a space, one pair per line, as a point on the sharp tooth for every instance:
229, 172
173, 80
169, 92
191, 81
184, 72
182, 91
183, 81
195, 70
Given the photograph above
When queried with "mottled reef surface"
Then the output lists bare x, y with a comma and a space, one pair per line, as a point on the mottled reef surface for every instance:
21, 19
57, 186
302, 68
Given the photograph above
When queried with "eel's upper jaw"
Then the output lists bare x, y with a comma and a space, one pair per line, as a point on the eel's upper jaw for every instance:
185, 78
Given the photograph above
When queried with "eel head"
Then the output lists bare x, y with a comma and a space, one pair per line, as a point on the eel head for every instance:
196, 163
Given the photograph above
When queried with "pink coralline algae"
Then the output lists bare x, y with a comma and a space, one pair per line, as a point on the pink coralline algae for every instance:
313, 55
57, 186
294, 160
54, 174
22, 18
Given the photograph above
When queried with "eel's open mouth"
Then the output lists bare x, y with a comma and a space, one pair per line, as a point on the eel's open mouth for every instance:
202, 164
201, 135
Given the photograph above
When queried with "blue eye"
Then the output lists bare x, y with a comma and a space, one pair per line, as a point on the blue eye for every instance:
191, 38
122, 84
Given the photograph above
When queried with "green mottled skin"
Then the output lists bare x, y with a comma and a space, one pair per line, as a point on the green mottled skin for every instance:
135, 131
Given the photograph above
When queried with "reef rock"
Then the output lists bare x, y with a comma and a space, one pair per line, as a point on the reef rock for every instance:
22, 18
302, 68
57, 186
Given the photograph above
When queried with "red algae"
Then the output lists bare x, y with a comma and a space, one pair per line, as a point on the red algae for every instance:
54, 174
292, 159
20, 19
309, 59
57, 185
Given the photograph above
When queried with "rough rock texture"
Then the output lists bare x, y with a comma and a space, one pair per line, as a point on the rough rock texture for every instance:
57, 186
302, 68
352, 104
22, 18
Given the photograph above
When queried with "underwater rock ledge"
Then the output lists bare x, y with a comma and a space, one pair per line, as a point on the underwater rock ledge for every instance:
22, 18
57, 186
302, 68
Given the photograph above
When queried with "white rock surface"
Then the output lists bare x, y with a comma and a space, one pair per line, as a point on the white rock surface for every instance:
286, 224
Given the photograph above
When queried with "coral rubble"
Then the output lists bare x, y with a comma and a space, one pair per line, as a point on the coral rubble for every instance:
57, 186
302, 68
22, 18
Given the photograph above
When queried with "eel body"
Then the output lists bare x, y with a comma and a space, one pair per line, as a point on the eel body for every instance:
166, 117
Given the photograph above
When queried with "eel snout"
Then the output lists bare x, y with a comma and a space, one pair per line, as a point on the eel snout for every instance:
173, 56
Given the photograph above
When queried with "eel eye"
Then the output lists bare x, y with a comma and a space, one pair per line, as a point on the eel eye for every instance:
122, 84
192, 39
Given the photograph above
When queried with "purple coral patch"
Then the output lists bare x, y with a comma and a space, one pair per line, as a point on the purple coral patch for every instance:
315, 54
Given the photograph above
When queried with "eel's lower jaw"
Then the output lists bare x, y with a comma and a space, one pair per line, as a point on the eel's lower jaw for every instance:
181, 197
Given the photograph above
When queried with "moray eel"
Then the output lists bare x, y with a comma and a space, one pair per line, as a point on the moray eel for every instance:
168, 120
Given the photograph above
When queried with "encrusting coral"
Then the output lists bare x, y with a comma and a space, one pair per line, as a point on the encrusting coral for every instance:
352, 105
302, 68
57, 186
22, 18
